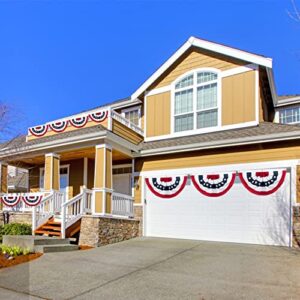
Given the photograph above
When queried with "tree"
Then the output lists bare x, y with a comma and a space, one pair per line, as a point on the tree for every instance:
295, 12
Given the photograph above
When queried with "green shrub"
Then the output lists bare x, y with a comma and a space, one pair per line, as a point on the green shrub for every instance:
14, 250
15, 229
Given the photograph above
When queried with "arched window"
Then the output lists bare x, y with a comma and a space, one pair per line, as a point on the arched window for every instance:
196, 101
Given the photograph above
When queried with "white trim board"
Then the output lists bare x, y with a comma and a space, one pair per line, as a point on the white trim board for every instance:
203, 44
201, 131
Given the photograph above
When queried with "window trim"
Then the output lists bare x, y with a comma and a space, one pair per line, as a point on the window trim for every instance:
195, 111
286, 108
125, 110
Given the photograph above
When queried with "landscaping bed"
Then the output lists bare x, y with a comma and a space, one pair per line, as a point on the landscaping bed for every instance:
4, 262
11, 256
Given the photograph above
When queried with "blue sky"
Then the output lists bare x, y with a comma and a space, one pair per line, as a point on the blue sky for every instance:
61, 57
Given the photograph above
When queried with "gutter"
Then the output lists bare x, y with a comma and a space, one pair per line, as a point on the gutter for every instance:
219, 144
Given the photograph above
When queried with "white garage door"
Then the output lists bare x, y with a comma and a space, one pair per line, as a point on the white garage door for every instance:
238, 216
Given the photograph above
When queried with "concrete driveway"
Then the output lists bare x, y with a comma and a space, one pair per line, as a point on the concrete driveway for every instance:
152, 268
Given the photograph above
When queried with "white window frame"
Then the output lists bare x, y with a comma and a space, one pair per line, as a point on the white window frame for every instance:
195, 111
42, 169
286, 108
138, 108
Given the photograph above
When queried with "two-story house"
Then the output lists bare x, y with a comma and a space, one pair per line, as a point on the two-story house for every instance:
193, 153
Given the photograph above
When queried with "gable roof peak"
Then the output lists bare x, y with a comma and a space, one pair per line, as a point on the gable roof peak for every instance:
207, 45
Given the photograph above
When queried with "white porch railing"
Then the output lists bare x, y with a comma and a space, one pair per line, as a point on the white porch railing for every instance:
72, 210
20, 207
126, 122
49, 206
122, 205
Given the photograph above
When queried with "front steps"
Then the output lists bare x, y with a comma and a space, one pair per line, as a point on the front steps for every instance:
51, 228
42, 244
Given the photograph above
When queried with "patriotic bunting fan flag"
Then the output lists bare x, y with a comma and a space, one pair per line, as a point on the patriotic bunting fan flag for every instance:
32, 200
77, 122
10, 200
214, 185
263, 182
166, 187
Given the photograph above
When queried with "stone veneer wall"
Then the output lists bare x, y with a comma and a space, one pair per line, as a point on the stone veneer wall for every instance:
98, 231
17, 217
138, 214
296, 226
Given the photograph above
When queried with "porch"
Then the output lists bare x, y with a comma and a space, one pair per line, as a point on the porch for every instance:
66, 185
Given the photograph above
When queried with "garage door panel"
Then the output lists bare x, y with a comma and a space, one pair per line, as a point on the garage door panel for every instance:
238, 216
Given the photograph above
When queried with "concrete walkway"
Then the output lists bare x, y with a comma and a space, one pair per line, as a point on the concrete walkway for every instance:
151, 268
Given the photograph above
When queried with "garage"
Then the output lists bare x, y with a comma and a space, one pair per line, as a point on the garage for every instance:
242, 206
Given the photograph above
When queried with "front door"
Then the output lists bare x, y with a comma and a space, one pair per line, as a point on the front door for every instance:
64, 181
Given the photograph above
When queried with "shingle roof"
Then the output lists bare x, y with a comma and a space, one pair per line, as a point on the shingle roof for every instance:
265, 128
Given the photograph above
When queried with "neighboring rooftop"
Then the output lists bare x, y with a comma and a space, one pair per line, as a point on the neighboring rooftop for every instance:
288, 99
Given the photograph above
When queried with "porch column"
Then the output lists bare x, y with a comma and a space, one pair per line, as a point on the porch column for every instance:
103, 180
52, 174
3, 180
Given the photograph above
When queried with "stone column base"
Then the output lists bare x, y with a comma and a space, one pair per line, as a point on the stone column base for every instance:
296, 227
98, 231
139, 214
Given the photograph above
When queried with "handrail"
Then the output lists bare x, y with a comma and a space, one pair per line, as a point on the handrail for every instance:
47, 208
72, 210
127, 123
122, 205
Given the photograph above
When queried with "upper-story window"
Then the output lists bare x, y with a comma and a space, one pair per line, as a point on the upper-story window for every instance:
133, 114
196, 101
289, 115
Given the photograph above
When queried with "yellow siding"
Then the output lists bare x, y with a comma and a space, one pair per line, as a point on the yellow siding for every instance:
103, 179
126, 133
196, 58
108, 171
238, 98
138, 190
75, 176
48, 173
98, 202
158, 114
99, 164
55, 174
221, 157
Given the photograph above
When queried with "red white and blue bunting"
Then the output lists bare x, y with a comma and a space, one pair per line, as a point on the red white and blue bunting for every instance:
98, 116
263, 182
59, 126
77, 122
166, 187
10, 200
38, 130
214, 185
32, 200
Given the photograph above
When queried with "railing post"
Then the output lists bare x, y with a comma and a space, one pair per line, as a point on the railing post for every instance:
83, 201
63, 222
33, 220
